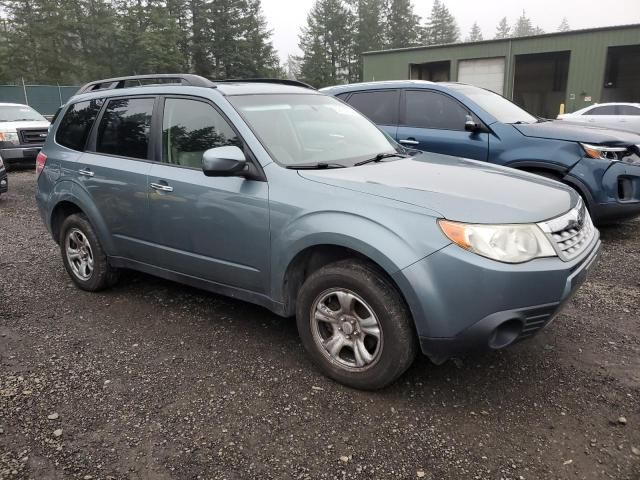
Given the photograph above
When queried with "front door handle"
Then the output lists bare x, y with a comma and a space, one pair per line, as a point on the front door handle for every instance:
409, 141
86, 172
160, 187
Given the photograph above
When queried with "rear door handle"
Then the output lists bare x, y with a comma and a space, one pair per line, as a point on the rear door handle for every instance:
160, 187
409, 141
86, 172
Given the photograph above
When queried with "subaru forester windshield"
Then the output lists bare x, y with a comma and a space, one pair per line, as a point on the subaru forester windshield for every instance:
496, 105
311, 129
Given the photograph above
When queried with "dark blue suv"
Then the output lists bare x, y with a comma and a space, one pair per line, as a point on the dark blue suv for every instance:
465, 121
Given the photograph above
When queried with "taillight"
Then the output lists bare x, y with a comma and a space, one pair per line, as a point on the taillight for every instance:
41, 159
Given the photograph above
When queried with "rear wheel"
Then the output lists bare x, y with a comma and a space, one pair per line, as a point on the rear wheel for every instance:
83, 256
355, 325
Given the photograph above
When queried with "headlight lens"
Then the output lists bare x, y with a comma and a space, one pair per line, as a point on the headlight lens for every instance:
604, 153
11, 137
504, 243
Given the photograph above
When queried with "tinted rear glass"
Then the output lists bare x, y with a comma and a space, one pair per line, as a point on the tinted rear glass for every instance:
125, 126
76, 124
381, 107
604, 110
628, 110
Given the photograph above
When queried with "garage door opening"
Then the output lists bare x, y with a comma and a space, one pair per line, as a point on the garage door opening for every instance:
622, 75
432, 71
540, 82
483, 72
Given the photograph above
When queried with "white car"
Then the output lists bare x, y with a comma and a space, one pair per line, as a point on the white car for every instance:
622, 116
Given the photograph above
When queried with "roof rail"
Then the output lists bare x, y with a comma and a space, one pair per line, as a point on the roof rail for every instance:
144, 80
279, 81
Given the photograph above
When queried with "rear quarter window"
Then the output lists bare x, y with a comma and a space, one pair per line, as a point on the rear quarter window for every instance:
76, 124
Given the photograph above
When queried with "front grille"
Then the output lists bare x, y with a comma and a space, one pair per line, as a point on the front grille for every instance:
33, 136
570, 233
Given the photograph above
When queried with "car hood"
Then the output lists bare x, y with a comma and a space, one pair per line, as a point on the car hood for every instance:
572, 132
13, 126
457, 189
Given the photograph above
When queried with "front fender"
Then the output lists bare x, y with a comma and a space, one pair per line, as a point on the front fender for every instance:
391, 248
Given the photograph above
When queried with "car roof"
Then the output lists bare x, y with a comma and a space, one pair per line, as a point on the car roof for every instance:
606, 104
337, 89
13, 105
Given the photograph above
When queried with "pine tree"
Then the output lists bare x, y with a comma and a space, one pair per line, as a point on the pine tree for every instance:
503, 30
327, 44
523, 27
475, 35
402, 25
369, 30
564, 25
441, 27
258, 58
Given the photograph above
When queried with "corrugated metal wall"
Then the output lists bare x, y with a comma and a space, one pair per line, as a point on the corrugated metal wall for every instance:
588, 57
44, 98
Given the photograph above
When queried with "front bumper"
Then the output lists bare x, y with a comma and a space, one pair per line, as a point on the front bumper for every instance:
463, 302
21, 155
612, 189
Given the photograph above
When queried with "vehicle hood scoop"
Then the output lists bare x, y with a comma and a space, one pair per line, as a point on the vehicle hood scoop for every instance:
459, 189
572, 132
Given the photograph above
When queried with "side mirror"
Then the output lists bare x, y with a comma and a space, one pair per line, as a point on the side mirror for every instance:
224, 162
470, 125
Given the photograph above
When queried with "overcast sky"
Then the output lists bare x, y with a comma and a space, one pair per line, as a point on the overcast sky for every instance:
285, 17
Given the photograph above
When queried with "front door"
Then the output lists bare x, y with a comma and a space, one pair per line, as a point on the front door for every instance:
435, 122
212, 228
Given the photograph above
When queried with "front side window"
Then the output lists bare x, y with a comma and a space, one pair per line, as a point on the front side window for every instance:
433, 110
191, 127
309, 128
380, 106
629, 110
76, 124
125, 127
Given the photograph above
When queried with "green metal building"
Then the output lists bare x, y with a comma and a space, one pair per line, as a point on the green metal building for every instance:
539, 73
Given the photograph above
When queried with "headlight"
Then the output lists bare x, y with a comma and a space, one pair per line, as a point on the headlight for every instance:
11, 137
504, 243
604, 153
1, 163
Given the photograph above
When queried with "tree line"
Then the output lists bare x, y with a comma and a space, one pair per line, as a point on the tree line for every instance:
72, 41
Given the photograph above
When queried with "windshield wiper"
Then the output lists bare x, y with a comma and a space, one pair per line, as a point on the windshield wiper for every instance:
315, 166
379, 157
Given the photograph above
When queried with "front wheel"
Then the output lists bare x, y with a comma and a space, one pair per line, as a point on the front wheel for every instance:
355, 325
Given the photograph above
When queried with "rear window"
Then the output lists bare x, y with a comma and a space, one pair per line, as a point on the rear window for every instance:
76, 124
125, 126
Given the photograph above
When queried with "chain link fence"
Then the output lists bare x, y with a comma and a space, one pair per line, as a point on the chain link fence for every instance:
44, 98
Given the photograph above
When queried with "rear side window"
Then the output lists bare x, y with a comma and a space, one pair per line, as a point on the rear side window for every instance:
76, 124
189, 129
433, 110
125, 126
380, 106
604, 110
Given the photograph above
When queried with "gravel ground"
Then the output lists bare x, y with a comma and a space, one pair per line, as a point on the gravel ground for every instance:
154, 380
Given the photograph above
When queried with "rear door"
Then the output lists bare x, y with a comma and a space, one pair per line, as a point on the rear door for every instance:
114, 172
213, 228
380, 106
435, 122
604, 115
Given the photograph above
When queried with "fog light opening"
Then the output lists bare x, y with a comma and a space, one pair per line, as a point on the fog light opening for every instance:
505, 334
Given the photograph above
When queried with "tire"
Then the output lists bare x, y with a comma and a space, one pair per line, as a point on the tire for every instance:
83, 256
374, 304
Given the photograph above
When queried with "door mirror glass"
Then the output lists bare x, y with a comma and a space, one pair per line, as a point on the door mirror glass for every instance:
470, 125
224, 162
